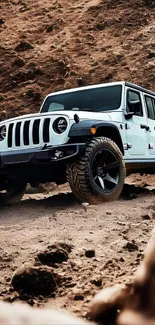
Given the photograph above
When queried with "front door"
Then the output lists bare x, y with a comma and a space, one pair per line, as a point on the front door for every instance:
136, 126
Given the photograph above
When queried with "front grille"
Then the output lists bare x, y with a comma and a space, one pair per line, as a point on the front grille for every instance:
26, 133
35, 132
46, 135
29, 132
17, 134
10, 135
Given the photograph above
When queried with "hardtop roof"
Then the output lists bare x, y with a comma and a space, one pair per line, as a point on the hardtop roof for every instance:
86, 87
126, 83
132, 85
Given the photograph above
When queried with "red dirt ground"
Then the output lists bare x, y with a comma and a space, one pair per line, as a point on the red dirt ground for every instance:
106, 243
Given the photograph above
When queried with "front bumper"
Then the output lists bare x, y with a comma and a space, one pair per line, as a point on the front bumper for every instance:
46, 154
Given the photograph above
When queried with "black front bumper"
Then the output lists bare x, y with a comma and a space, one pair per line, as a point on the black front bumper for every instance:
46, 154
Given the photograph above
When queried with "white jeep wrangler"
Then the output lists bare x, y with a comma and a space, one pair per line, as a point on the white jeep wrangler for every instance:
91, 137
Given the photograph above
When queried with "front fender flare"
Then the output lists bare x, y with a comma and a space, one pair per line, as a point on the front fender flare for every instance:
82, 129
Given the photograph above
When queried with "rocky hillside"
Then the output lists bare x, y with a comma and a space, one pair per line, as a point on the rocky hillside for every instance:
57, 44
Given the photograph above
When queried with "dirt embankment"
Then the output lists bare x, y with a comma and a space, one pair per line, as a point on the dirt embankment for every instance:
51, 45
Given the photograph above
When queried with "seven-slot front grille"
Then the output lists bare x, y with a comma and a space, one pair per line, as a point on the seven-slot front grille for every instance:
29, 132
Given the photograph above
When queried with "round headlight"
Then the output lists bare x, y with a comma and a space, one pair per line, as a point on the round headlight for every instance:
2, 132
60, 125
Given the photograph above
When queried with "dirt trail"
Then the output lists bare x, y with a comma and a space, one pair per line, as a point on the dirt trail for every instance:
113, 235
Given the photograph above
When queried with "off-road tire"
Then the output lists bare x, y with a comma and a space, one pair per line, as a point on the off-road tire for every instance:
79, 174
13, 195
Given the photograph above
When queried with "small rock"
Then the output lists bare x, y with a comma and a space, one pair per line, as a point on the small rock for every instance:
101, 26
90, 253
151, 55
40, 297
78, 297
140, 255
19, 62
23, 46
130, 246
70, 285
31, 302
85, 205
121, 259
35, 280
146, 217
49, 29
97, 282
57, 253
2, 21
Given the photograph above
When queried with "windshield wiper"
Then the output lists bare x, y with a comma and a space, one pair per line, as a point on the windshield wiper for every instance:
86, 109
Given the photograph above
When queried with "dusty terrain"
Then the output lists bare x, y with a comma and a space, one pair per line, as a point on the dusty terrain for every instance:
50, 45
105, 243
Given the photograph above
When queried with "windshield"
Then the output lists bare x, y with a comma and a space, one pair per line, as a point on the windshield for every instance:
95, 100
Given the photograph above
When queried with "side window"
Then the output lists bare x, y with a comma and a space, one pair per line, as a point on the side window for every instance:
133, 96
150, 105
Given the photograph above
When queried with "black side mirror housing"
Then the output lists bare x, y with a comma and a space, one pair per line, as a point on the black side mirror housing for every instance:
134, 107
128, 115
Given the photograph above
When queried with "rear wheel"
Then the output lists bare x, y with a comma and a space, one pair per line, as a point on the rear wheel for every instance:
100, 174
11, 193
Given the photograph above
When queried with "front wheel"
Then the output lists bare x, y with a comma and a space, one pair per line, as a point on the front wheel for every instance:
99, 175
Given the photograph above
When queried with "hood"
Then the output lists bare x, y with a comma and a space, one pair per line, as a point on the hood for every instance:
36, 130
83, 115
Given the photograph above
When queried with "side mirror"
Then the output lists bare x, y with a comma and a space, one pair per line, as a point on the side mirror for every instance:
134, 107
128, 115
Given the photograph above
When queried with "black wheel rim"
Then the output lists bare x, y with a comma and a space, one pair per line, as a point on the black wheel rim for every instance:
105, 170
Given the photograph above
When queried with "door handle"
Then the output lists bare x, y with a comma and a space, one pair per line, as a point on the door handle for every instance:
144, 126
